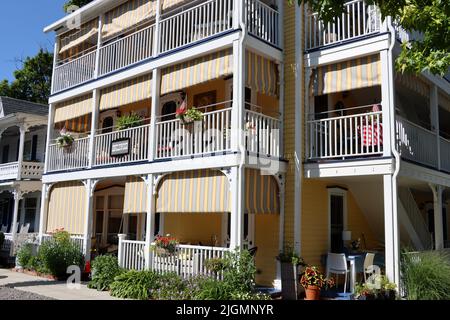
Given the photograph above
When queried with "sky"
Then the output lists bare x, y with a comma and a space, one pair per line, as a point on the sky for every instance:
21, 25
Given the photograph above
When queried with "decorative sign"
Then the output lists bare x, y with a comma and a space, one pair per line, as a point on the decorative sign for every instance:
120, 147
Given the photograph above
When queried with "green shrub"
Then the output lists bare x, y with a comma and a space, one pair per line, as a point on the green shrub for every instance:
104, 270
134, 285
24, 255
170, 286
239, 271
129, 121
426, 275
58, 254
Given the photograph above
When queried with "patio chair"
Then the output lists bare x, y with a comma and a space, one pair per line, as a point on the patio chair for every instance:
368, 263
337, 264
24, 228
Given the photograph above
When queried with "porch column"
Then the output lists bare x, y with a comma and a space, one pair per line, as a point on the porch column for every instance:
17, 197
150, 221
156, 89
50, 126
391, 231
434, 116
44, 208
94, 125
22, 130
386, 89
99, 45
438, 223
90, 187
238, 109
237, 188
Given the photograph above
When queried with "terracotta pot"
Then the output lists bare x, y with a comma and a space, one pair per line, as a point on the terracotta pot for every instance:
312, 293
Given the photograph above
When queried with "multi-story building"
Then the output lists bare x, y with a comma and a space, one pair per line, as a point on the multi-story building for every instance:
22, 146
307, 131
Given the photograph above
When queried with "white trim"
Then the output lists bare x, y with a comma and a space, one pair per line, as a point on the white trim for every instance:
349, 168
335, 191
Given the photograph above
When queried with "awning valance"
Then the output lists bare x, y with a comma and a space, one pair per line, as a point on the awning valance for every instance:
135, 198
261, 74
171, 4
67, 207
127, 15
414, 83
80, 125
261, 193
74, 108
196, 71
76, 37
348, 75
127, 92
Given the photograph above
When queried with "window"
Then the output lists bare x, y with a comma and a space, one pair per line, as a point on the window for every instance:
337, 200
30, 212
27, 150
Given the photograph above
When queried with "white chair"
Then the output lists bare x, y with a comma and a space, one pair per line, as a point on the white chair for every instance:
368, 263
24, 228
337, 264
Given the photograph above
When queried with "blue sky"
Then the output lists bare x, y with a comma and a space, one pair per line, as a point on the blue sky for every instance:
21, 25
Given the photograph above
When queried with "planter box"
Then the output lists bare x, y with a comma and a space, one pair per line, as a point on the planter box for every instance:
289, 281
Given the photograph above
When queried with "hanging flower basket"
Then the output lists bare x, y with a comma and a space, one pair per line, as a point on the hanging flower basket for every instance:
165, 246
188, 116
65, 140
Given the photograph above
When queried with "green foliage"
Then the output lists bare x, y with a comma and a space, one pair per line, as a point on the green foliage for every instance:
426, 275
215, 265
59, 253
104, 270
25, 254
289, 255
378, 288
78, 3
170, 286
129, 121
134, 285
428, 18
239, 270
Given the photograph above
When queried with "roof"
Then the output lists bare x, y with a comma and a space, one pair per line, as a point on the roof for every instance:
10, 106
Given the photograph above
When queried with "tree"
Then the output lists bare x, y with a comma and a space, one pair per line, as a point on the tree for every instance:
33, 80
430, 18
78, 3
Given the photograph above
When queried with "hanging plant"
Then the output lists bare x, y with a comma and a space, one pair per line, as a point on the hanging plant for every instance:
65, 140
188, 115
129, 121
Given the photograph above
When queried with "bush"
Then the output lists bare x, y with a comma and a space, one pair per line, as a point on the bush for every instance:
426, 275
239, 271
134, 285
170, 286
24, 255
59, 253
104, 270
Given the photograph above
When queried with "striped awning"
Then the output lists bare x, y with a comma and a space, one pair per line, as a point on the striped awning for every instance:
127, 15
262, 74
127, 92
74, 108
196, 71
207, 191
413, 82
171, 4
76, 37
80, 125
67, 207
135, 198
348, 75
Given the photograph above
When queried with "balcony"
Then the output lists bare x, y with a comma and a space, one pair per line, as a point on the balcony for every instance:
28, 170
198, 23
359, 20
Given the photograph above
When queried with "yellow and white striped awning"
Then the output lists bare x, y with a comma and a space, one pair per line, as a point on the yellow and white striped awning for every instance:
261, 74
127, 92
67, 207
81, 124
74, 108
76, 37
413, 82
127, 15
348, 75
135, 198
171, 4
208, 191
196, 71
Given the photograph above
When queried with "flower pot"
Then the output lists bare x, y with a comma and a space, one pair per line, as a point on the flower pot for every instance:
312, 293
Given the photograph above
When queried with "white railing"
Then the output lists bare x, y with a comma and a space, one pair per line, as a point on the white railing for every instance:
416, 143
131, 254
262, 21
74, 72
32, 170
415, 217
127, 51
188, 261
445, 154
197, 23
359, 19
346, 136
78, 240
262, 134
74, 157
212, 134
9, 171
135, 140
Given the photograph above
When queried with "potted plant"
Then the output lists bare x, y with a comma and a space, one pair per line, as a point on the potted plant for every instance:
378, 288
131, 120
189, 115
165, 246
313, 281
289, 263
65, 140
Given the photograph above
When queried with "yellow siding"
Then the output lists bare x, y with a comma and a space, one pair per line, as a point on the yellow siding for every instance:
266, 239
268, 104
214, 85
193, 228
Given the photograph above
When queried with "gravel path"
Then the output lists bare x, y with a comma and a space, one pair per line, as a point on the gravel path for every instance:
14, 294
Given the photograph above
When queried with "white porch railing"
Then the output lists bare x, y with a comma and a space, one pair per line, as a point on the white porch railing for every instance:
29, 170
346, 136
445, 154
262, 21
74, 72
135, 139
416, 143
200, 22
175, 139
359, 19
262, 134
9, 171
127, 51
75, 157
131, 254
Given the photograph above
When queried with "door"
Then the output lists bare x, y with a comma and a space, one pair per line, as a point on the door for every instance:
5, 154
336, 223
108, 125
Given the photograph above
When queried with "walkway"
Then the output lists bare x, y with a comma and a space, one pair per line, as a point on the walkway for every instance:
52, 289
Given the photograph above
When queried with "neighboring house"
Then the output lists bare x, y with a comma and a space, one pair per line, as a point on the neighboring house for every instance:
321, 113
22, 149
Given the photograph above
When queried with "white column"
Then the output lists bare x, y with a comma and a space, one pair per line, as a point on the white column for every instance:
120, 254
238, 11
17, 197
438, 223
89, 213
156, 89
22, 130
44, 213
99, 45
150, 221
238, 110
385, 105
434, 117
237, 207
55, 61
157, 36
391, 231
50, 126
94, 124
22, 213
